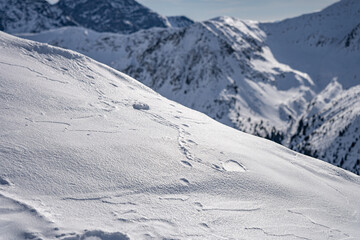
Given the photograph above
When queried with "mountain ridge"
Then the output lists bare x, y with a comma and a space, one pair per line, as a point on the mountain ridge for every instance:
179, 21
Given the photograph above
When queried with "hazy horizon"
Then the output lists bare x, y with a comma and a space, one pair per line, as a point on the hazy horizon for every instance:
260, 10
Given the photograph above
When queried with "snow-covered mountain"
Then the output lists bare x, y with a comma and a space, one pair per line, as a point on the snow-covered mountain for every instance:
257, 77
180, 21
19, 16
330, 128
220, 67
87, 152
324, 44
121, 16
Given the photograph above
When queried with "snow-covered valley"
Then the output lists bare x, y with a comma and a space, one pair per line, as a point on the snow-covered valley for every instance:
87, 152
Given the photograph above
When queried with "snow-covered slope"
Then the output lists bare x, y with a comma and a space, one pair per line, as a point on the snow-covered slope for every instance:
121, 16
87, 152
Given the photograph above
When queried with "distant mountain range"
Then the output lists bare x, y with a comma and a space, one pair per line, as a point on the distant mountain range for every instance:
294, 81
118, 16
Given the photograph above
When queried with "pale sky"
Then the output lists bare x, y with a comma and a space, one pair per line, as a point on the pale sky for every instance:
262, 10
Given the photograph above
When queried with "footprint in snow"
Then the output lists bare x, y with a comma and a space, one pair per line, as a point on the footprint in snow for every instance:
216, 167
30, 235
204, 225
3, 181
184, 180
186, 163
233, 166
141, 106
113, 84
198, 206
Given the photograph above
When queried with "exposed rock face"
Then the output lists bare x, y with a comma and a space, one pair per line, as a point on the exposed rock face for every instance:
180, 21
120, 16
20, 16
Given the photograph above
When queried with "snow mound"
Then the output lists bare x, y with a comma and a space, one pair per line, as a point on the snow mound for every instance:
141, 106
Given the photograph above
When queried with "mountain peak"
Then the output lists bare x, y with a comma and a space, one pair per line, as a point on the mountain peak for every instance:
325, 27
180, 21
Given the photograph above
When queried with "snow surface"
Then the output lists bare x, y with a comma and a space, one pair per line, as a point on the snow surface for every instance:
87, 152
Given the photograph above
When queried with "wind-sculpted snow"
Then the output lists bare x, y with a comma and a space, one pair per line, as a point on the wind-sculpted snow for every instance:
80, 159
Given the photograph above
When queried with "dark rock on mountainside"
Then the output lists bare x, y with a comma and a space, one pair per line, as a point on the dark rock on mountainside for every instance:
120, 16
21, 16
180, 21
